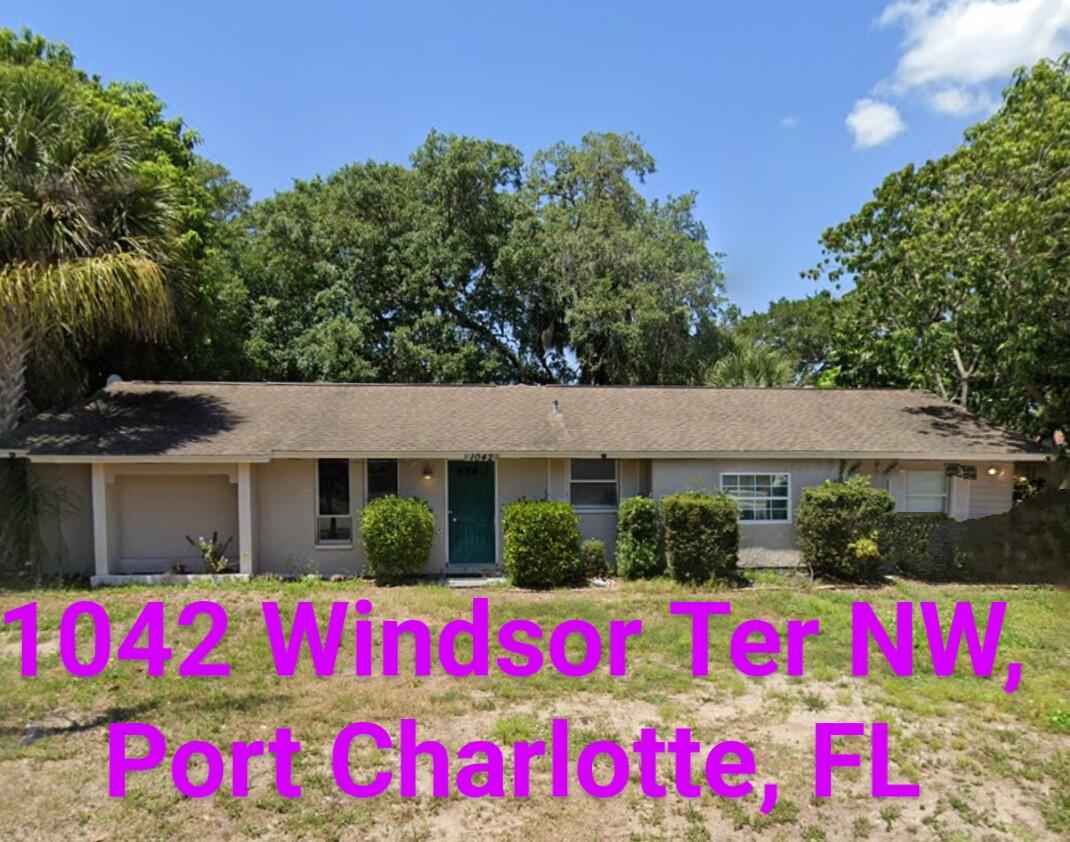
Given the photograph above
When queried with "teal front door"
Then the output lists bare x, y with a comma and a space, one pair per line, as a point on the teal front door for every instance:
471, 513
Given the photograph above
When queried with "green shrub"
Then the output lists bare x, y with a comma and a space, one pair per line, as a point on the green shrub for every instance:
593, 551
397, 537
844, 528
638, 539
915, 548
701, 535
542, 544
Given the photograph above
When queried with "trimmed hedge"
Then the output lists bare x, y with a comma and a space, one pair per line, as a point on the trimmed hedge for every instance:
397, 537
593, 551
542, 544
701, 536
638, 539
916, 549
844, 527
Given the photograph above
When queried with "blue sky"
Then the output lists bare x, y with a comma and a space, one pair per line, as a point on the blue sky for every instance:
783, 115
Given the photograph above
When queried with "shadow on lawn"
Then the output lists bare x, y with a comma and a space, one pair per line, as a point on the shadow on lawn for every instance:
33, 733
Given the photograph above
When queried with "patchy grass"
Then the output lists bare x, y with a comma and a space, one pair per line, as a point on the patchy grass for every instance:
991, 765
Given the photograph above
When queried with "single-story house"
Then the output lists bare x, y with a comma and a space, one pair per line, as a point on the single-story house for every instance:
285, 469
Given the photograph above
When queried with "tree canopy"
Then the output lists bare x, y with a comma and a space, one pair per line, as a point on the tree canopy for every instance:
800, 330
470, 265
202, 200
87, 236
960, 267
471, 262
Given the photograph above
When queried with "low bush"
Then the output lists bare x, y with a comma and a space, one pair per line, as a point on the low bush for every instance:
639, 553
844, 528
917, 547
542, 544
397, 535
701, 536
594, 558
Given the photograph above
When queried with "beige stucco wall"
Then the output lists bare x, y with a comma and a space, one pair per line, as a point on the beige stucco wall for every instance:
154, 514
671, 475
992, 495
412, 483
968, 498
285, 520
285, 490
519, 478
987, 495
540, 479
152, 508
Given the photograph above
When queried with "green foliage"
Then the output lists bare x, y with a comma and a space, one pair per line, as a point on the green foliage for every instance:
633, 287
397, 534
468, 265
701, 536
913, 551
959, 267
752, 365
145, 192
212, 551
542, 544
638, 539
801, 330
843, 528
594, 558
25, 48
79, 263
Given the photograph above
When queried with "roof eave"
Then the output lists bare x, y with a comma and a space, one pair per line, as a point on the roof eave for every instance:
917, 456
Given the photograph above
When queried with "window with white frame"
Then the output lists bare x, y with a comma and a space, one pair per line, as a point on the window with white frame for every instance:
382, 478
593, 483
334, 513
926, 491
762, 498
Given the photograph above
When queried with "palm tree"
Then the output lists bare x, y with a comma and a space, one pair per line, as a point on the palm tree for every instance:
751, 364
84, 233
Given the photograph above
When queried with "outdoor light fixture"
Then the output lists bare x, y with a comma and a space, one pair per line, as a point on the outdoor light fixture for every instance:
993, 471
428, 473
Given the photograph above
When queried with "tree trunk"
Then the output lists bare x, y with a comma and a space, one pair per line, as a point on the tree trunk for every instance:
14, 351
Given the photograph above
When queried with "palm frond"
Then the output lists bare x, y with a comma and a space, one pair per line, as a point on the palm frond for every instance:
751, 365
112, 293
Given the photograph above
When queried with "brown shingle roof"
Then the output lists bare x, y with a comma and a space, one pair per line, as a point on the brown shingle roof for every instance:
259, 420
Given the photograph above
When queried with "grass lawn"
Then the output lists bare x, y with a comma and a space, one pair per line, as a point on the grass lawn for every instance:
990, 765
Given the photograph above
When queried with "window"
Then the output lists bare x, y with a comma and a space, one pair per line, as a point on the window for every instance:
762, 498
382, 477
593, 482
334, 517
926, 491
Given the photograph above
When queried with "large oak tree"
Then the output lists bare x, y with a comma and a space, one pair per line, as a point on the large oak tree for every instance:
469, 265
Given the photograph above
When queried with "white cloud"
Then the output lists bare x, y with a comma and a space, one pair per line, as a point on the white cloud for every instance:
958, 43
873, 123
789, 122
960, 101
955, 54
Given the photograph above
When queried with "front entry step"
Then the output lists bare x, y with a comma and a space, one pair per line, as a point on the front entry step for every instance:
473, 581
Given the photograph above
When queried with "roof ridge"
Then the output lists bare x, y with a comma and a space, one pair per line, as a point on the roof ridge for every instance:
593, 386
